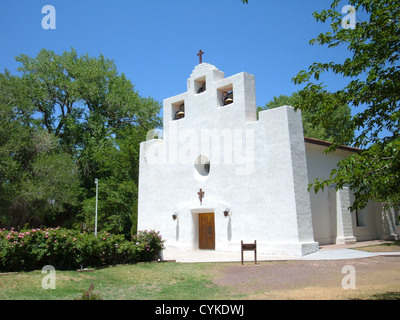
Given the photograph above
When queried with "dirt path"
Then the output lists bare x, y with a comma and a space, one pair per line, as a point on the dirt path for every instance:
313, 279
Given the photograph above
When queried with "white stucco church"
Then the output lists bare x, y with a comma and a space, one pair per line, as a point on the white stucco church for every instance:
219, 176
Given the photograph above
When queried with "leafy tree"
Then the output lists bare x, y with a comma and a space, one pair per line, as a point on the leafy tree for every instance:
93, 115
373, 91
38, 181
67, 94
313, 129
118, 172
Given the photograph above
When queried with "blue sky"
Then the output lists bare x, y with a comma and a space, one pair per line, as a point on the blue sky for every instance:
155, 42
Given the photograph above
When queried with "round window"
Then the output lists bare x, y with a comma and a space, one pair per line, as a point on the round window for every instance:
202, 165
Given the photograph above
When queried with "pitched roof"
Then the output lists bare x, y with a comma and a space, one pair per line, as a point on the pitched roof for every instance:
328, 144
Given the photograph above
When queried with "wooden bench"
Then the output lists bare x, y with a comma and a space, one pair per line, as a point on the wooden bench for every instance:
250, 247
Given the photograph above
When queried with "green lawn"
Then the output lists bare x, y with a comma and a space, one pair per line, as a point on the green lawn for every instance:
178, 281
153, 281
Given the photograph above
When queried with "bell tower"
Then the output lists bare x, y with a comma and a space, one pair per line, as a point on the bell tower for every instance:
212, 101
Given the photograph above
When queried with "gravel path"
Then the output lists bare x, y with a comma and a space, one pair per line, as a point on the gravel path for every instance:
313, 279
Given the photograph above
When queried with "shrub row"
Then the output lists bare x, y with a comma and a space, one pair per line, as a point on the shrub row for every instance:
65, 249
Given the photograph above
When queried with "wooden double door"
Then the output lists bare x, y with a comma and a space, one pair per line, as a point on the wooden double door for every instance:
207, 231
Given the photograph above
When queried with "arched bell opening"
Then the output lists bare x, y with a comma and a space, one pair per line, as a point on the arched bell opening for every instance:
178, 110
225, 95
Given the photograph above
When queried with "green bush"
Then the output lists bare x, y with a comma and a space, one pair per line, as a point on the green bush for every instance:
68, 249
150, 244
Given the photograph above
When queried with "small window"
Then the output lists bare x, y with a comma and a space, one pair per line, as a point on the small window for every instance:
225, 95
178, 110
360, 218
200, 85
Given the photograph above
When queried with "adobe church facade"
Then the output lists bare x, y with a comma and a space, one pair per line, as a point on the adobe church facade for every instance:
219, 176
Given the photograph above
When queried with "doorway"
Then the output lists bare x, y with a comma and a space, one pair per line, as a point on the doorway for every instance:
206, 231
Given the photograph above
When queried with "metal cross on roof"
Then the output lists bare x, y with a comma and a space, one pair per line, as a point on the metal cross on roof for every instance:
200, 54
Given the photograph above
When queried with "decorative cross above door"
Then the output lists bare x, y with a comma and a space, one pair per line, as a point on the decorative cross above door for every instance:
201, 195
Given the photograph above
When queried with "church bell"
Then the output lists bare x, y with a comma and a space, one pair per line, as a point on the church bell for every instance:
202, 89
181, 113
227, 97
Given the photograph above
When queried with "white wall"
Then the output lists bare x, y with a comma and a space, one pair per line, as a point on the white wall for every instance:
257, 170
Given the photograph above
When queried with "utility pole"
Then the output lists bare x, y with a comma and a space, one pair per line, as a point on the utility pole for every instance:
96, 181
